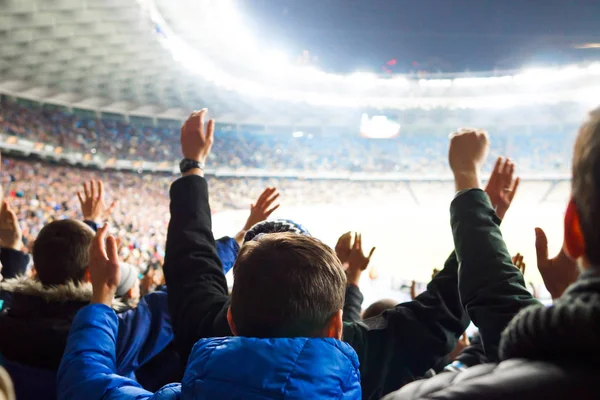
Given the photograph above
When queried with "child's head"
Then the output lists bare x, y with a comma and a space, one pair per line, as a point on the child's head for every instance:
582, 218
287, 285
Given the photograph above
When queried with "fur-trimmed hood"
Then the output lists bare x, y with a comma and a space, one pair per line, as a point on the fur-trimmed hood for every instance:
69, 292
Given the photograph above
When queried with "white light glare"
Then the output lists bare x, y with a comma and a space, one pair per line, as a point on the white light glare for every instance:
435, 83
540, 76
298, 134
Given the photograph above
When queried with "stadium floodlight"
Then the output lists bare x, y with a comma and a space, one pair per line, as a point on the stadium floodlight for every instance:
269, 74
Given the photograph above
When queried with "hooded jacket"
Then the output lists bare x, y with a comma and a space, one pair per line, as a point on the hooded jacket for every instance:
218, 368
34, 331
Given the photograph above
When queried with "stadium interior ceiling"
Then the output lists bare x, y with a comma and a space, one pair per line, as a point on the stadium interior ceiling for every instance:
125, 57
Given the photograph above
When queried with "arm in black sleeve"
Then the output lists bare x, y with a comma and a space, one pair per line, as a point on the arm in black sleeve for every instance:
14, 262
403, 343
198, 297
492, 289
353, 304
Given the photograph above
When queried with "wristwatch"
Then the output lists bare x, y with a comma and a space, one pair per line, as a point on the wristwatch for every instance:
186, 164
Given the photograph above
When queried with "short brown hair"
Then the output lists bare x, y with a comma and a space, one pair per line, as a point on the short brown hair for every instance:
286, 285
60, 252
379, 307
586, 184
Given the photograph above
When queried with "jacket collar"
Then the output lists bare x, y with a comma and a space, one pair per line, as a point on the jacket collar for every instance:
291, 368
68, 293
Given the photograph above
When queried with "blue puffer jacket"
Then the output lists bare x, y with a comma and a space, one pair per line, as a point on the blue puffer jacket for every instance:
227, 249
218, 368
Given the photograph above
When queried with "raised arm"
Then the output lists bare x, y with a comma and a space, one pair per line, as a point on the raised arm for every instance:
88, 369
491, 288
228, 247
14, 260
356, 262
198, 297
403, 343
265, 205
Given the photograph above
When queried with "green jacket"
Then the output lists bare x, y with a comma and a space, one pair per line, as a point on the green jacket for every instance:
492, 289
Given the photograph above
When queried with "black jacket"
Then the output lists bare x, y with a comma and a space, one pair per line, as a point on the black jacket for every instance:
547, 352
491, 289
394, 348
14, 263
35, 328
352, 304
516, 379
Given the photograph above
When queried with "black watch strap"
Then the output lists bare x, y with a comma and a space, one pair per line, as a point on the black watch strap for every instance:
187, 164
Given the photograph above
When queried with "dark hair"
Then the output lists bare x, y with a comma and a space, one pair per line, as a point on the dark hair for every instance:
286, 285
60, 252
378, 307
586, 184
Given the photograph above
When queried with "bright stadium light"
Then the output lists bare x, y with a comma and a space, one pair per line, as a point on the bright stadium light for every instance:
235, 61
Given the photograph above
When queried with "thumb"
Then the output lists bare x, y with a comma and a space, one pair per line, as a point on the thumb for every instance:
541, 246
371, 253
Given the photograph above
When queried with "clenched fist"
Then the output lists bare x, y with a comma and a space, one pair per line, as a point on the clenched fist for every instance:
468, 150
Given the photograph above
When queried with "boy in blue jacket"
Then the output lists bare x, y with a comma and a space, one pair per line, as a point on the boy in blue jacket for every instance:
285, 313
288, 348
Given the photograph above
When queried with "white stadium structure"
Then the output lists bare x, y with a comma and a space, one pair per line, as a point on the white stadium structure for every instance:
150, 59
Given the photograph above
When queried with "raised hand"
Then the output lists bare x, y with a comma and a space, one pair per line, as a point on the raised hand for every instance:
357, 261
517, 260
92, 202
343, 248
11, 236
196, 139
468, 150
105, 272
558, 272
501, 188
265, 205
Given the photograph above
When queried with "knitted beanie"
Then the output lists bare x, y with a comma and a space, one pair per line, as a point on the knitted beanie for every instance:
275, 226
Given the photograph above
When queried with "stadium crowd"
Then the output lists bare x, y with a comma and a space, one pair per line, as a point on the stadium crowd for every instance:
420, 153
74, 326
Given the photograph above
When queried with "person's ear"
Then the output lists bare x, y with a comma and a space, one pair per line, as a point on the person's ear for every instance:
230, 322
335, 326
574, 241
86, 276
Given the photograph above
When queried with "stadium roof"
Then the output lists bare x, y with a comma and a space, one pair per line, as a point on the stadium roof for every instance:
118, 56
